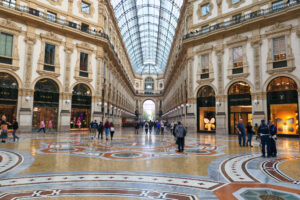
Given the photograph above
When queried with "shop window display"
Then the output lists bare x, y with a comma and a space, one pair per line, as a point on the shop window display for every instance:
283, 106
81, 107
206, 109
8, 96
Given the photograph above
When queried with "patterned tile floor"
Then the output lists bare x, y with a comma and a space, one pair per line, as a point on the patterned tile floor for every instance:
74, 166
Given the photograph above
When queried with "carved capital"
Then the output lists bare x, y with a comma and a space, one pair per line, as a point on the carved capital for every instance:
255, 40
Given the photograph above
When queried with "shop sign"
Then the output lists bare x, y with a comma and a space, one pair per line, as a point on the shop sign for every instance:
244, 99
8, 93
50, 97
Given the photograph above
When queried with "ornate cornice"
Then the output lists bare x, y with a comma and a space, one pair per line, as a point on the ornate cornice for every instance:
8, 24
51, 36
85, 46
236, 39
277, 28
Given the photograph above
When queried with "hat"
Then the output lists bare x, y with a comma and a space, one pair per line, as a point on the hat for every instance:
263, 121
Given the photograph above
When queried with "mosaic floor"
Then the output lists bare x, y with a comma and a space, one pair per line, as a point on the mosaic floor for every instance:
74, 166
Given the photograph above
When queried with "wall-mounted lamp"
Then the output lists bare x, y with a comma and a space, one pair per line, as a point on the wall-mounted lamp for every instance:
188, 105
68, 101
218, 103
27, 98
99, 103
178, 107
182, 105
256, 102
105, 104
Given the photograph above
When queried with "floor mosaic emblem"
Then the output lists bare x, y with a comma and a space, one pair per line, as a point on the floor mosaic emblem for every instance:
9, 160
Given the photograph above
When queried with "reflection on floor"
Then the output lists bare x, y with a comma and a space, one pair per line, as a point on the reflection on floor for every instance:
74, 166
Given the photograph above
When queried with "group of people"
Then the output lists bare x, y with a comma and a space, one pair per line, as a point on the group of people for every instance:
107, 127
4, 129
159, 127
266, 132
43, 126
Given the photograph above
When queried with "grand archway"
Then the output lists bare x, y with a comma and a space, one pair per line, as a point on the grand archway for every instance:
149, 110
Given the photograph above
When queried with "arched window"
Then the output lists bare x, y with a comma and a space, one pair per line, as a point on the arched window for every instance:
239, 88
8, 81
206, 91
46, 85
149, 84
282, 84
81, 90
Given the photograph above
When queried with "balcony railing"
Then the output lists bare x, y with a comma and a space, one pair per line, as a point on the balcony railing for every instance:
63, 22
244, 18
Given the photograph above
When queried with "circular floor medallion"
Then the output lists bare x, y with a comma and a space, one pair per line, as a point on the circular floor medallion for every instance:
125, 155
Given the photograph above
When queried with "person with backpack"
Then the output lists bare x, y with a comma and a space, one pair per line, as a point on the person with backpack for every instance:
112, 131
107, 128
15, 127
180, 134
100, 130
146, 127
94, 127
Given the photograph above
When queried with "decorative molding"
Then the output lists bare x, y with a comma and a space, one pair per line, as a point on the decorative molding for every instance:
55, 2
236, 40
231, 5
275, 31
30, 41
92, 9
85, 47
256, 45
50, 36
199, 10
12, 28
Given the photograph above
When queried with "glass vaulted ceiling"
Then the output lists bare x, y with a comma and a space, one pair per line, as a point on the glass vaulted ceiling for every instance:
148, 28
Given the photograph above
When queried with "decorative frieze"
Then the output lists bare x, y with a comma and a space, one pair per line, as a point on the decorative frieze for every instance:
30, 41
256, 45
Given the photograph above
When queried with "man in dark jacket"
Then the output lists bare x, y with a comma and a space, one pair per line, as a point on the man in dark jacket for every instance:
15, 127
100, 130
263, 130
273, 138
180, 132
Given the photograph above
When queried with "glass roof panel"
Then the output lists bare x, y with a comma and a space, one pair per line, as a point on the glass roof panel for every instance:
148, 28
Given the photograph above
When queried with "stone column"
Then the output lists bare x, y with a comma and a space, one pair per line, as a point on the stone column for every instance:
97, 114
258, 98
26, 94
66, 95
221, 120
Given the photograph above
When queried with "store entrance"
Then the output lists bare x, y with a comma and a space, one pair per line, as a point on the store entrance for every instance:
45, 105
81, 107
239, 105
8, 97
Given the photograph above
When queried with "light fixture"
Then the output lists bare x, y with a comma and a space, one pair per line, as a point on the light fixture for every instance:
178, 107
67, 101
27, 98
182, 105
256, 102
105, 104
187, 105
218, 103
99, 103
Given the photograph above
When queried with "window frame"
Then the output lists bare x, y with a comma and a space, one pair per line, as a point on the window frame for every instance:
89, 7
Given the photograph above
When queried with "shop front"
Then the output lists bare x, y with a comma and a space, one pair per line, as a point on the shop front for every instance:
81, 107
45, 105
206, 110
239, 105
283, 109
8, 96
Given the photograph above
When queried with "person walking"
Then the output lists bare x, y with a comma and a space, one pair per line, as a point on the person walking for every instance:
50, 125
146, 127
137, 127
94, 127
107, 129
249, 134
273, 138
241, 132
42, 126
162, 127
158, 125
112, 131
15, 127
256, 131
263, 130
3, 135
150, 126
180, 134
174, 126
100, 130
